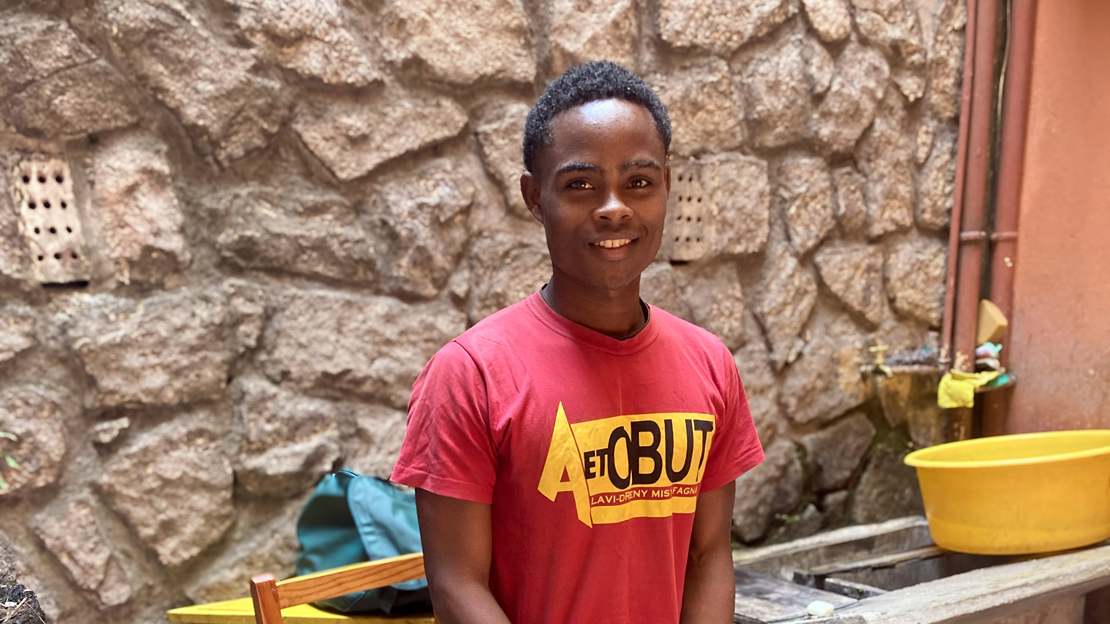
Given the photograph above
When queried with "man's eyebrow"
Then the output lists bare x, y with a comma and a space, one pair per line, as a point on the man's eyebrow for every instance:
575, 165
640, 164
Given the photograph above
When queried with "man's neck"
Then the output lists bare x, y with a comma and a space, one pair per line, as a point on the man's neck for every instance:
615, 313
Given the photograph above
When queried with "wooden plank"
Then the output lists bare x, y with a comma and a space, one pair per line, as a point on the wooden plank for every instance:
347, 579
761, 599
241, 611
888, 560
847, 543
980, 595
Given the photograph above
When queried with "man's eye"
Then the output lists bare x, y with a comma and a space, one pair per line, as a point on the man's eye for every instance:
640, 183
580, 185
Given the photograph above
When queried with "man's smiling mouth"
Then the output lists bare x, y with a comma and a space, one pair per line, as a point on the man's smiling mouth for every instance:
614, 243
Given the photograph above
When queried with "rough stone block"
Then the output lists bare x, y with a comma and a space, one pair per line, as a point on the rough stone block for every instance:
504, 269
294, 228
888, 489
263, 538
830, 19
716, 303
826, 380
288, 441
37, 420
772, 78
501, 137
659, 286
934, 211
851, 202
915, 272
229, 103
174, 487
851, 102
379, 433
352, 136
789, 294
760, 386
79, 544
854, 273
371, 346
720, 26
893, 27
946, 65
421, 226
55, 85
836, 451
443, 37
820, 66
142, 220
588, 30
705, 110
885, 156
773, 487
17, 332
805, 188
170, 349
315, 39
73, 102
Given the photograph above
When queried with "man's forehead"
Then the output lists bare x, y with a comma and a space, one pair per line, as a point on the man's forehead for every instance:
591, 126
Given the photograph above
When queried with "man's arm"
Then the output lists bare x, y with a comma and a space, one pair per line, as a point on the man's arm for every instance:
457, 540
709, 596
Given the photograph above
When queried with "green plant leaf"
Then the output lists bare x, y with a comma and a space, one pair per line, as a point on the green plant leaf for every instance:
10, 436
3, 484
11, 462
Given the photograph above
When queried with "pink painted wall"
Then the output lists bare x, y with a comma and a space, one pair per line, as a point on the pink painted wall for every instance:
1060, 342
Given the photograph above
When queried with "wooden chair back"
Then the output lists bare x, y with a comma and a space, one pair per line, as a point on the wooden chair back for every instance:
270, 596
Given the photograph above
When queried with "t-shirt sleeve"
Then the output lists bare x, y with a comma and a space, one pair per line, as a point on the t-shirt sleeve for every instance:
735, 448
448, 448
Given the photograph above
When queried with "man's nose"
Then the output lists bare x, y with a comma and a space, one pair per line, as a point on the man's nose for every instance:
614, 209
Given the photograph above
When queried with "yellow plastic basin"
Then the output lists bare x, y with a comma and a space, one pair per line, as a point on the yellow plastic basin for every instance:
1017, 494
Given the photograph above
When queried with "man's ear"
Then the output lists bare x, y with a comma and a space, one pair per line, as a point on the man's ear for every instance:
530, 191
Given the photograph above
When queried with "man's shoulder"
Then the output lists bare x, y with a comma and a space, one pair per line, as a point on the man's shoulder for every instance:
499, 328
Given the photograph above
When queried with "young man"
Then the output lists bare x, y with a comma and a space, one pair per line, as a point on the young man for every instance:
575, 454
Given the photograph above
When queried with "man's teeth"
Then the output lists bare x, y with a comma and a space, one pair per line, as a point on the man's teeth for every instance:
613, 244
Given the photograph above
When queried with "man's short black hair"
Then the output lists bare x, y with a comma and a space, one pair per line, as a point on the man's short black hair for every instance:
585, 83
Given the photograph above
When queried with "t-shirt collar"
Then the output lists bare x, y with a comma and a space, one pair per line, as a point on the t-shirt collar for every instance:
589, 337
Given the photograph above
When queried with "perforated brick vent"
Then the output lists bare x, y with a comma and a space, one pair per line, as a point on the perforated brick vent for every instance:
50, 222
685, 236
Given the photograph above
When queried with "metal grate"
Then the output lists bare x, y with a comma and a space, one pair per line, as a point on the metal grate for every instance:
50, 222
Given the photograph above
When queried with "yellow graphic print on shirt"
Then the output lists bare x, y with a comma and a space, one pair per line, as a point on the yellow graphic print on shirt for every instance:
623, 467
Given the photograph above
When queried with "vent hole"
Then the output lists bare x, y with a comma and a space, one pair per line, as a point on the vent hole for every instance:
57, 256
58, 179
687, 239
46, 205
699, 200
31, 205
69, 229
688, 218
40, 258
36, 230
698, 240
53, 231
676, 239
26, 179
63, 205
74, 254
699, 219
42, 179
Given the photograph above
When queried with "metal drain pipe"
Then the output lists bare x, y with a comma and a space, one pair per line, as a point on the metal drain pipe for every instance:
968, 237
1011, 162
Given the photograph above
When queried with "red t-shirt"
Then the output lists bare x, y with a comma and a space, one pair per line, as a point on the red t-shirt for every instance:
539, 417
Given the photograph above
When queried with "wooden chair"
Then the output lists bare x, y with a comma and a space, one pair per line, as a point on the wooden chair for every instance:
270, 596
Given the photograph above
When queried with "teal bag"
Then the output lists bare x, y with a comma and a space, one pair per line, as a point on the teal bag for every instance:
350, 519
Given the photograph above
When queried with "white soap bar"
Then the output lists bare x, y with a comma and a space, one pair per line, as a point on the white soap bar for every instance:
819, 607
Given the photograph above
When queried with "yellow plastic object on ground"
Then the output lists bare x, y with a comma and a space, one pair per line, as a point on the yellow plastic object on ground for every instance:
241, 611
1017, 494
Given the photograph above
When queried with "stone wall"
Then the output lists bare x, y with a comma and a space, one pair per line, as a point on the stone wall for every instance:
257, 219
